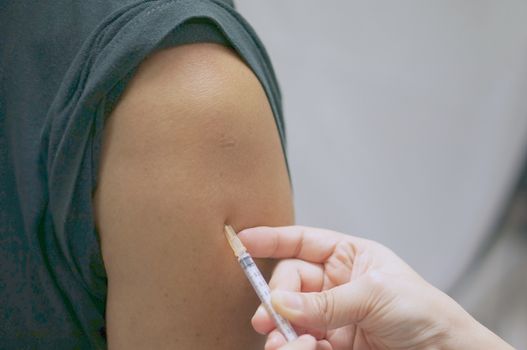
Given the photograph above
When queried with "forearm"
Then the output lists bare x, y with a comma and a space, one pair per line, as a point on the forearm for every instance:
473, 335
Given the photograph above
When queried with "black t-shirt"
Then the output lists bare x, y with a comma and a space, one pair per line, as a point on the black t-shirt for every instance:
63, 66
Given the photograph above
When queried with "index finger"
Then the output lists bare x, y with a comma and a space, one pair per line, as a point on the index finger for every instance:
306, 243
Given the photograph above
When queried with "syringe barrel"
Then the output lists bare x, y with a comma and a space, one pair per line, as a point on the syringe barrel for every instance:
264, 293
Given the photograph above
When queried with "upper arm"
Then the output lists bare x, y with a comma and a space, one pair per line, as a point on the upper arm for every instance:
192, 145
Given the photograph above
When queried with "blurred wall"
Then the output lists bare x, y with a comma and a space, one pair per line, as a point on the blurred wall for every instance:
406, 120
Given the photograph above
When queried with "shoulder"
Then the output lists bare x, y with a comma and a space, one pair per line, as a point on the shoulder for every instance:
198, 94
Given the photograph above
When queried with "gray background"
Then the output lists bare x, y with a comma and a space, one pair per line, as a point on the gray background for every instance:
406, 120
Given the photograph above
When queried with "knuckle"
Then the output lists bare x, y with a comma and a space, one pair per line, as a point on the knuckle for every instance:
375, 280
325, 308
378, 285
279, 276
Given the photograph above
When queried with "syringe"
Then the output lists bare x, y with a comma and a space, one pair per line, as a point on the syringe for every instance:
258, 282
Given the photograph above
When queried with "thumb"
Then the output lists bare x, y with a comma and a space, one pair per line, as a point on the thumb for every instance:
333, 308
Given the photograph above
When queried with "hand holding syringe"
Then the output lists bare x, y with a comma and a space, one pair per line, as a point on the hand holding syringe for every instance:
352, 293
258, 282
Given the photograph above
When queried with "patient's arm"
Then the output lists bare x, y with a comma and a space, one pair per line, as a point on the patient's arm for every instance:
192, 145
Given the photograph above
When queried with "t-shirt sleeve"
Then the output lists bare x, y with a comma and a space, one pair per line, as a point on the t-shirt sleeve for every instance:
92, 86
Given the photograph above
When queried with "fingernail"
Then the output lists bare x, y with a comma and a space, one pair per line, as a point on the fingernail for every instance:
260, 313
307, 339
261, 310
287, 300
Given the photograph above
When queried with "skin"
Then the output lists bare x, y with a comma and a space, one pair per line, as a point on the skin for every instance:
351, 293
192, 145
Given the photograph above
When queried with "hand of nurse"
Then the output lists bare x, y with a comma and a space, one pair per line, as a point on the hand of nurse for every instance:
352, 293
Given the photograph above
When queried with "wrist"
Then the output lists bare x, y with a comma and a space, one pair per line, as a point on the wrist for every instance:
464, 332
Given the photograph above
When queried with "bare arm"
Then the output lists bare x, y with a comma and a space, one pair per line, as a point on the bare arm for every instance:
192, 145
